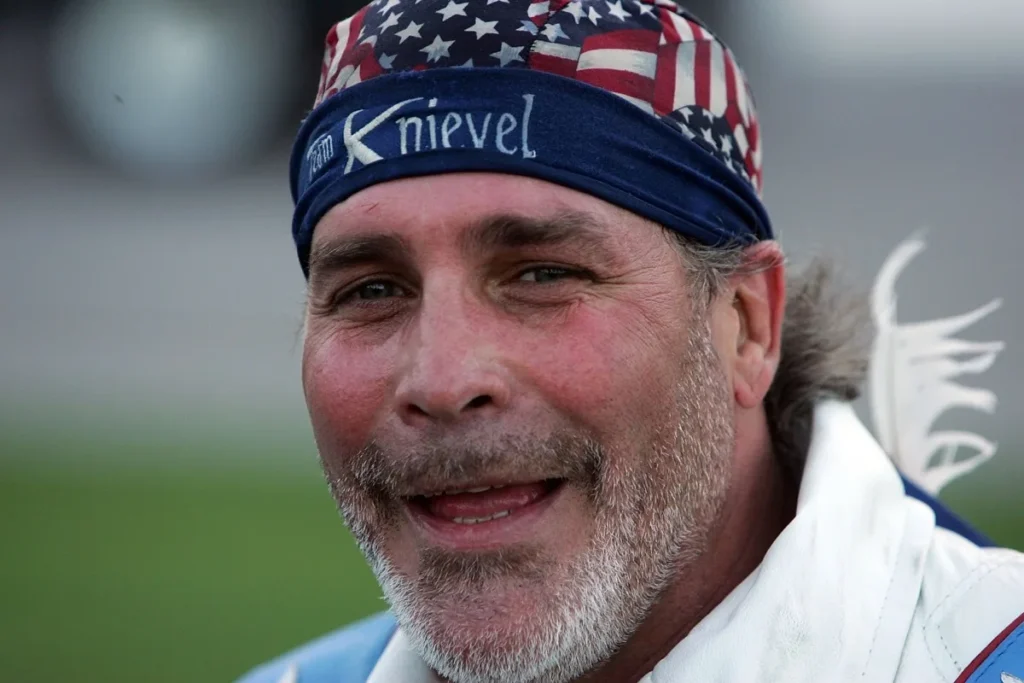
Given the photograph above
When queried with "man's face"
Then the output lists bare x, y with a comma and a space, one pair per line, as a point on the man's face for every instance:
485, 331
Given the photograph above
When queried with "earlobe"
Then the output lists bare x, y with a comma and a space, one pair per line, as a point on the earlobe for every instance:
760, 303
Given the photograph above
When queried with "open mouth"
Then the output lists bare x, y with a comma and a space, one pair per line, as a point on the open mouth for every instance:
484, 513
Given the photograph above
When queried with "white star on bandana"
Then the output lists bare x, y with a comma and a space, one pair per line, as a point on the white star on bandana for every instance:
527, 26
481, 28
709, 137
508, 54
617, 10
391, 21
574, 9
410, 31
453, 9
553, 32
437, 49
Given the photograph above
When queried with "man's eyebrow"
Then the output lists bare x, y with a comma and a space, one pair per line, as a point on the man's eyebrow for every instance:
510, 231
336, 254
492, 233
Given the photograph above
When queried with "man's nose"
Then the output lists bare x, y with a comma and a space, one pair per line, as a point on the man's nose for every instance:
453, 369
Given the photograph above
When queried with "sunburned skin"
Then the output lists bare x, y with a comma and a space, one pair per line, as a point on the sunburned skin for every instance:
555, 458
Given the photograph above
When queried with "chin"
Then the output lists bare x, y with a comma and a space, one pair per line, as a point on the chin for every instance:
518, 646
481, 594
544, 624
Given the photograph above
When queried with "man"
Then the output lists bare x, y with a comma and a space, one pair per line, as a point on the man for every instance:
556, 389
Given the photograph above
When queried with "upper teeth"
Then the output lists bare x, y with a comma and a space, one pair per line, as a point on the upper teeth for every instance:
479, 489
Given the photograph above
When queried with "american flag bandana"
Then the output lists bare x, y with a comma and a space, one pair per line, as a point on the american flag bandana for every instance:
537, 87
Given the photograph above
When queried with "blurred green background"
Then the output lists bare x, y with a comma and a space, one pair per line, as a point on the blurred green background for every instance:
195, 566
183, 569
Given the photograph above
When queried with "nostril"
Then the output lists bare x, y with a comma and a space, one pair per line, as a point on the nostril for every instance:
417, 410
445, 407
479, 401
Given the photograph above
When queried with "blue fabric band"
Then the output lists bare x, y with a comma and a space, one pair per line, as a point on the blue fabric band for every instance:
523, 122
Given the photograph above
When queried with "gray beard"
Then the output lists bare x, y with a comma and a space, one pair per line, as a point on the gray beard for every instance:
653, 518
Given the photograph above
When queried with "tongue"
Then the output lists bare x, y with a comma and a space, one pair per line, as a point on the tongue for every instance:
486, 503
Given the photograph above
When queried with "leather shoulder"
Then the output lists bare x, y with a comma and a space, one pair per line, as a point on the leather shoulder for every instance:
347, 655
968, 596
1002, 661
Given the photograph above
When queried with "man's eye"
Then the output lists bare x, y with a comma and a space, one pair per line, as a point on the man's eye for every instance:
375, 290
546, 274
378, 290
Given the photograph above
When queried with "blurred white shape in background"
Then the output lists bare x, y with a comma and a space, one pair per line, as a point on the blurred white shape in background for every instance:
175, 89
914, 372
944, 38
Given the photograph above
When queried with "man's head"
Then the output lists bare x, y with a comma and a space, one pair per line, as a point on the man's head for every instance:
543, 318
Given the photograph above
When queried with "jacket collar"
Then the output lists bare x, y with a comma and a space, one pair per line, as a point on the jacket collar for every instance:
835, 594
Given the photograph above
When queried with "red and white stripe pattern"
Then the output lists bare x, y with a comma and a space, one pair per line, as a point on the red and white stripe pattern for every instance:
673, 66
623, 62
538, 11
348, 57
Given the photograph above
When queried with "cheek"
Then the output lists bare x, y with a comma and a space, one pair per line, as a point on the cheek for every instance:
601, 368
345, 387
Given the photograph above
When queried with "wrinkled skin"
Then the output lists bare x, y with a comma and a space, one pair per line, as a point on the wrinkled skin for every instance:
474, 329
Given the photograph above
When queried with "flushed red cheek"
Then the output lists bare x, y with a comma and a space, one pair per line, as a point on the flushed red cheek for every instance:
595, 369
345, 391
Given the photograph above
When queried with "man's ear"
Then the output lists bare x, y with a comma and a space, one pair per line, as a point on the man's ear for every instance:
759, 300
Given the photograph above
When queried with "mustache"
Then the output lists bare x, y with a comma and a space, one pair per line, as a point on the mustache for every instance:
391, 474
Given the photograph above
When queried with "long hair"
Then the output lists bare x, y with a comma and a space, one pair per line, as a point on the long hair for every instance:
826, 342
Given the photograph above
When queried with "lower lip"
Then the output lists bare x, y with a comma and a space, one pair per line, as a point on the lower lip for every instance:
519, 526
